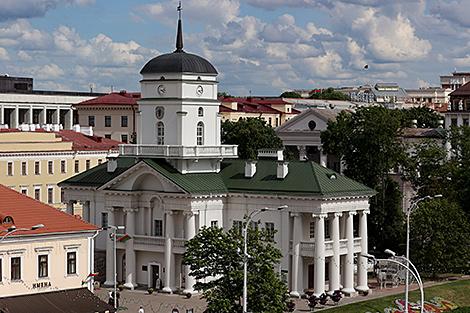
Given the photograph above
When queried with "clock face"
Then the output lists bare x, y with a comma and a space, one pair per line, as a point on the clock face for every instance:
159, 112
161, 89
199, 90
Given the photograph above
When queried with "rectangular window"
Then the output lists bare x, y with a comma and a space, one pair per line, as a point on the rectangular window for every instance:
107, 136
124, 138
238, 225
327, 228
124, 121
10, 169
71, 263
91, 120
158, 228
356, 225
312, 230
104, 219
63, 167
270, 121
277, 121
24, 169
42, 266
270, 230
107, 121
15, 268
50, 195
50, 167
37, 194
37, 168
100, 161
77, 166
214, 223
24, 191
453, 122
87, 164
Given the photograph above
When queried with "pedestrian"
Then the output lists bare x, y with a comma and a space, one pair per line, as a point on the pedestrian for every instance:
141, 310
110, 298
158, 283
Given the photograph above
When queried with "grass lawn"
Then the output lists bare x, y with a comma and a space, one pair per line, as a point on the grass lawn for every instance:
457, 292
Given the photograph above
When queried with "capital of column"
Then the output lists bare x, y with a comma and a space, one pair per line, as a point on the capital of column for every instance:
338, 214
170, 212
110, 209
351, 213
294, 214
190, 213
320, 216
365, 211
130, 210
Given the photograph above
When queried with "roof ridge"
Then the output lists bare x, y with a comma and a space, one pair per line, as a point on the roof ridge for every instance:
313, 165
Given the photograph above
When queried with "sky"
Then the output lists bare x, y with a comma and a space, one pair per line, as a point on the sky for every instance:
262, 46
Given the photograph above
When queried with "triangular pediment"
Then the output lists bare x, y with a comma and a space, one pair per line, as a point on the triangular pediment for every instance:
311, 117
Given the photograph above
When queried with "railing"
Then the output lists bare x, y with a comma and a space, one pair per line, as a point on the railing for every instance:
149, 240
225, 151
179, 243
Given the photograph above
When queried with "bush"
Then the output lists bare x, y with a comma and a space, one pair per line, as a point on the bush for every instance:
462, 310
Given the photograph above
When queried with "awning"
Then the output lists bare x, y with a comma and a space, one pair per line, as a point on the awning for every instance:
64, 301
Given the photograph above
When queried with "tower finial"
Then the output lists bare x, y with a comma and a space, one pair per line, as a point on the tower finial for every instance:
179, 35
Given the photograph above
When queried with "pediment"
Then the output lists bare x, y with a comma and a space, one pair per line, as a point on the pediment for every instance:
312, 117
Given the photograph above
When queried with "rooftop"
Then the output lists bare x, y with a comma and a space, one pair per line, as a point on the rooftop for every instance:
463, 90
115, 98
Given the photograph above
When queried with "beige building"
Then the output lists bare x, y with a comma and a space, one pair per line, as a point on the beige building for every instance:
111, 116
33, 162
44, 253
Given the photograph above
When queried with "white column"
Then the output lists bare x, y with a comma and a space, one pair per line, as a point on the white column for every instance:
56, 119
15, 121
69, 120
110, 250
130, 252
69, 208
323, 157
362, 284
349, 260
297, 266
2, 115
319, 255
169, 266
334, 270
302, 153
189, 232
43, 116
30, 115
86, 211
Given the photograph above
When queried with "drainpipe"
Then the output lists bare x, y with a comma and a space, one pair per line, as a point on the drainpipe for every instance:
91, 259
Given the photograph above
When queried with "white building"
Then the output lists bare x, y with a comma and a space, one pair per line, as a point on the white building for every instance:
179, 178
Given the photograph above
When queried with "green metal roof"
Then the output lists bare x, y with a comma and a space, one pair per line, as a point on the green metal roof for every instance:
303, 179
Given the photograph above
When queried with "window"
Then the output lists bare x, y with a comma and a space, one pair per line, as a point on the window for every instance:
10, 169
356, 225
312, 230
200, 112
24, 169
71, 263
107, 136
24, 191
160, 133
87, 164
277, 121
15, 268
107, 121
50, 167
238, 225
453, 122
158, 228
200, 134
42, 266
270, 121
77, 166
37, 193
1, 269
104, 219
50, 195
327, 228
63, 167
124, 121
37, 168
270, 230
214, 223
100, 161
124, 138
91, 120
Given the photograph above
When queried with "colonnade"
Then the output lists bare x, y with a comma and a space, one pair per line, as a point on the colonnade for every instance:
10, 114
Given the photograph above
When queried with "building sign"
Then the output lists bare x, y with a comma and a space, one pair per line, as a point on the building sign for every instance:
44, 284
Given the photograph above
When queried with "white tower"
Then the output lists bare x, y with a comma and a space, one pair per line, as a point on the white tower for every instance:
179, 118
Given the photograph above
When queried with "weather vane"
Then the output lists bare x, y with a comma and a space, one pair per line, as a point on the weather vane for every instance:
179, 9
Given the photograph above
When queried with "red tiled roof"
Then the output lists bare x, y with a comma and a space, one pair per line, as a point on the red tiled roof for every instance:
463, 90
223, 108
27, 212
115, 98
83, 142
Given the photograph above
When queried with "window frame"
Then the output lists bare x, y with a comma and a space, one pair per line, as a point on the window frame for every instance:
87, 164
20, 268
50, 195
67, 252
200, 133
155, 223
126, 119
10, 168
77, 166
104, 221
108, 118
63, 166
50, 167
91, 120
37, 167
125, 138
311, 230
24, 168
271, 230
200, 112
40, 274
160, 132
37, 189
214, 223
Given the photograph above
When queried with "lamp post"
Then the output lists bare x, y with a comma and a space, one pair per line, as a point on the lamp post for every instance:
408, 270
410, 209
245, 251
113, 235
12, 229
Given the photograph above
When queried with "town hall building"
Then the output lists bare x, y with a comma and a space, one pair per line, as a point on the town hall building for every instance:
179, 178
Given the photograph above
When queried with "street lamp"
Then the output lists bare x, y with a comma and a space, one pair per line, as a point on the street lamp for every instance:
410, 209
408, 270
245, 251
12, 229
113, 236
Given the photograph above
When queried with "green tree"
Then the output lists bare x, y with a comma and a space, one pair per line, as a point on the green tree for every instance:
425, 117
217, 255
290, 94
459, 138
440, 238
329, 94
250, 134
223, 94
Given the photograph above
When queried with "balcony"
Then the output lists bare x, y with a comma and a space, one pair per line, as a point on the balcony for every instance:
307, 248
179, 152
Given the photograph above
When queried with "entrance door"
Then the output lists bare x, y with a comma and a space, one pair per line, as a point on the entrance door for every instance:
155, 276
311, 276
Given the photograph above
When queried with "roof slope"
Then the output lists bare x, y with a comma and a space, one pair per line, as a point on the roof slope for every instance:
116, 98
463, 90
84, 142
27, 212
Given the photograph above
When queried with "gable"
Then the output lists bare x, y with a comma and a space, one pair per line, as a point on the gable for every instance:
320, 118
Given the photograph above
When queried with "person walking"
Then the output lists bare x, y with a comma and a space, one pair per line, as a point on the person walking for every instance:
141, 310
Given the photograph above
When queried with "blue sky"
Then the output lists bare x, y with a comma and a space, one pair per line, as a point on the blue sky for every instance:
265, 46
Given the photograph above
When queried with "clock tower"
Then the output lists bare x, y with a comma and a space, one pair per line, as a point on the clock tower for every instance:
179, 117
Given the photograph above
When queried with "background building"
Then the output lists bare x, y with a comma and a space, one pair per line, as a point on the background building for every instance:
458, 113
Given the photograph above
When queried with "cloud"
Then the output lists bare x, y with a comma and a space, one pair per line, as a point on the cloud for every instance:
24, 56
4, 54
22, 35
456, 11
48, 71
14, 9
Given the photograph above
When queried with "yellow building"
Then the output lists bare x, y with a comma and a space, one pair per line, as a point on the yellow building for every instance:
33, 162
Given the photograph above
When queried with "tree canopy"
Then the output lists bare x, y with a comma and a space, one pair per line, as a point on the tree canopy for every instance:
425, 117
329, 94
215, 258
290, 94
250, 134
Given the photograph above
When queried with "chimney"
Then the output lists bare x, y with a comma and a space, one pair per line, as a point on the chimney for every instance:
282, 169
250, 168
112, 162
414, 123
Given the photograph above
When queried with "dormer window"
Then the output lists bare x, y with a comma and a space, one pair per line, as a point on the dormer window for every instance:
7, 220
200, 112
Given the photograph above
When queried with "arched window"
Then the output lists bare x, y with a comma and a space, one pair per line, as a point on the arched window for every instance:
160, 133
200, 112
200, 134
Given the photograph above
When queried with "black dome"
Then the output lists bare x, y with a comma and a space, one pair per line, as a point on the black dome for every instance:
178, 62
